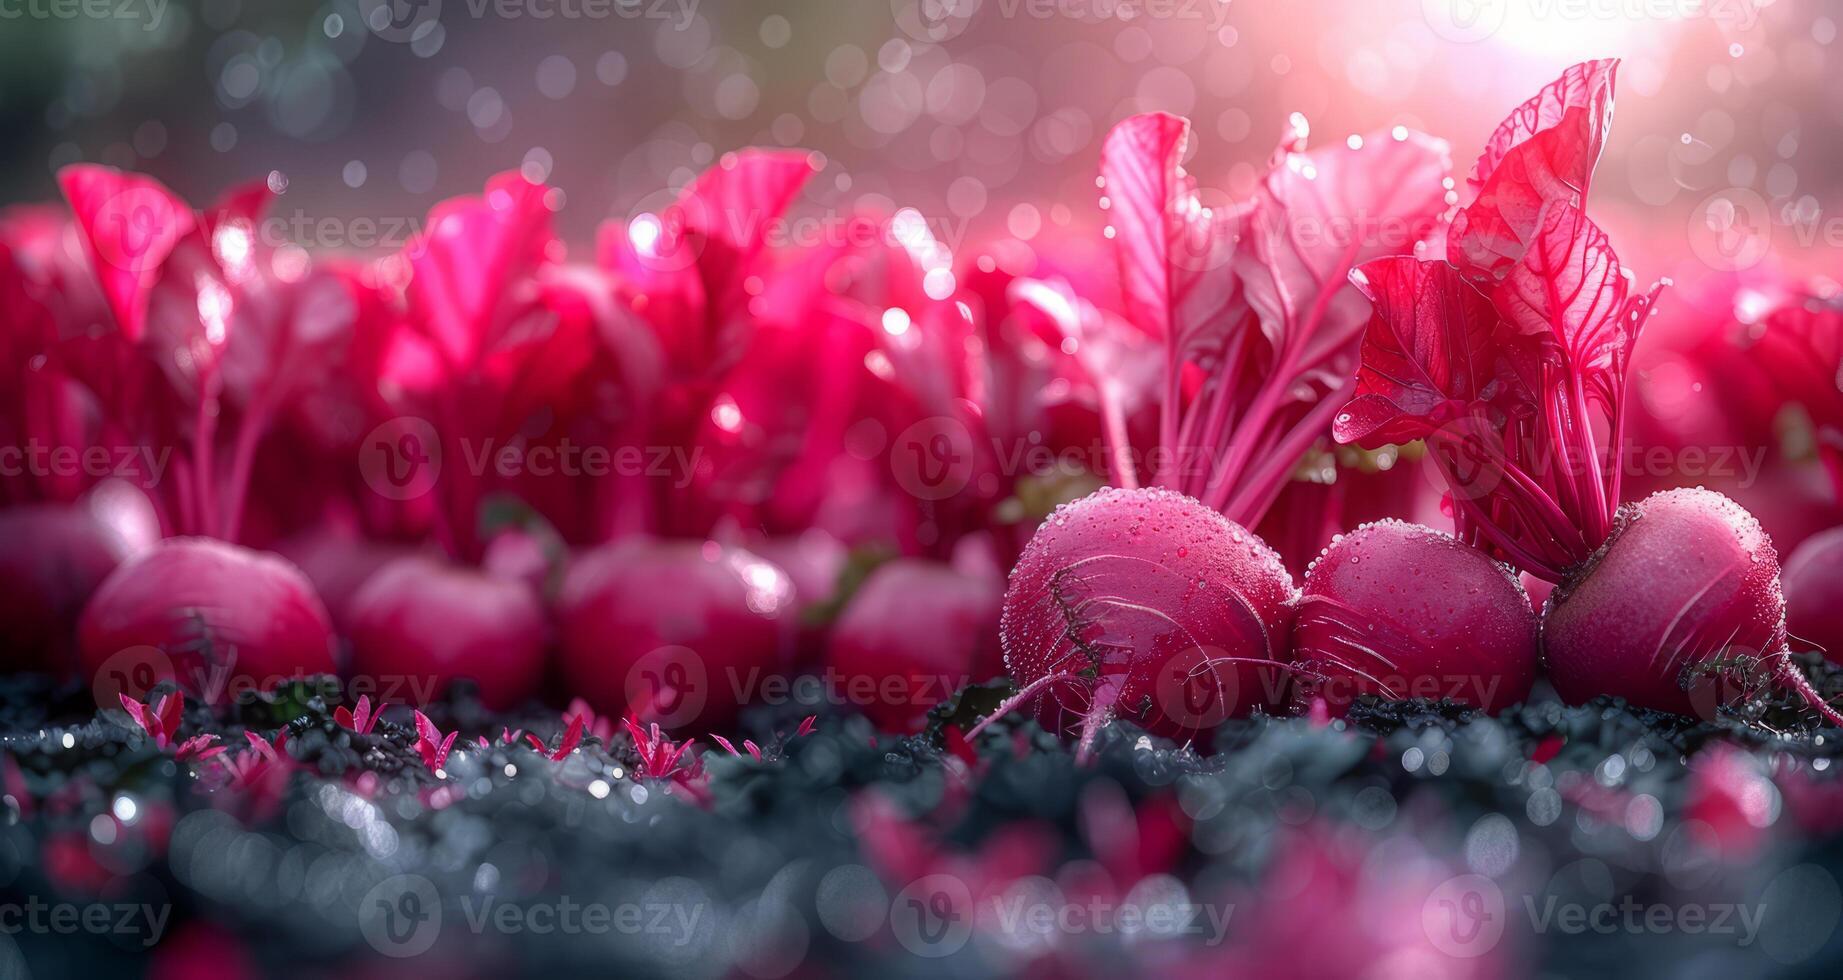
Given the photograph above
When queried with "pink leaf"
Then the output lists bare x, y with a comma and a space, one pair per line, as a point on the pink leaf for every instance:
1544, 151
169, 711
1570, 289
1427, 353
1173, 251
471, 287
430, 744
130, 225
1317, 216
572, 737
138, 712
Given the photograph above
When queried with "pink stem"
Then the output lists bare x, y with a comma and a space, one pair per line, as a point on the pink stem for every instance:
1583, 429
204, 433
1257, 494
1017, 700
1099, 714
1119, 445
250, 431
1794, 680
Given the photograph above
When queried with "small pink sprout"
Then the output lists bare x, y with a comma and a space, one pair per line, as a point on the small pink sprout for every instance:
601, 726
199, 748
159, 723
253, 767
660, 757
572, 737
362, 720
430, 744
755, 751
162, 723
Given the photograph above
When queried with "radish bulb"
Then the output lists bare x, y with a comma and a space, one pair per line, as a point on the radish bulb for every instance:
915, 632
1145, 605
1510, 358
214, 617
1813, 580
419, 623
1159, 605
1680, 611
1403, 611
673, 631
55, 557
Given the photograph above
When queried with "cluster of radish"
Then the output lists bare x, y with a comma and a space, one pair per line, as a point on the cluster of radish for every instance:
333, 498
346, 414
1507, 355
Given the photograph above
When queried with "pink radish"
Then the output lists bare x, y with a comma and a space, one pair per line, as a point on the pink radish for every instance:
1511, 358
1152, 604
1399, 610
214, 617
339, 563
1680, 611
419, 623
915, 632
1146, 605
1813, 580
673, 631
55, 557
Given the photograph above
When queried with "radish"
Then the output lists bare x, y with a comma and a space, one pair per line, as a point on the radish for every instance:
1158, 604
1146, 605
420, 622
673, 631
55, 557
213, 617
1510, 358
813, 561
915, 632
1680, 611
1399, 610
1813, 579
339, 563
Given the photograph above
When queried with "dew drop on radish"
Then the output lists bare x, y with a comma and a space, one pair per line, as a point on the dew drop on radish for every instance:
1146, 605
1398, 610
1680, 610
